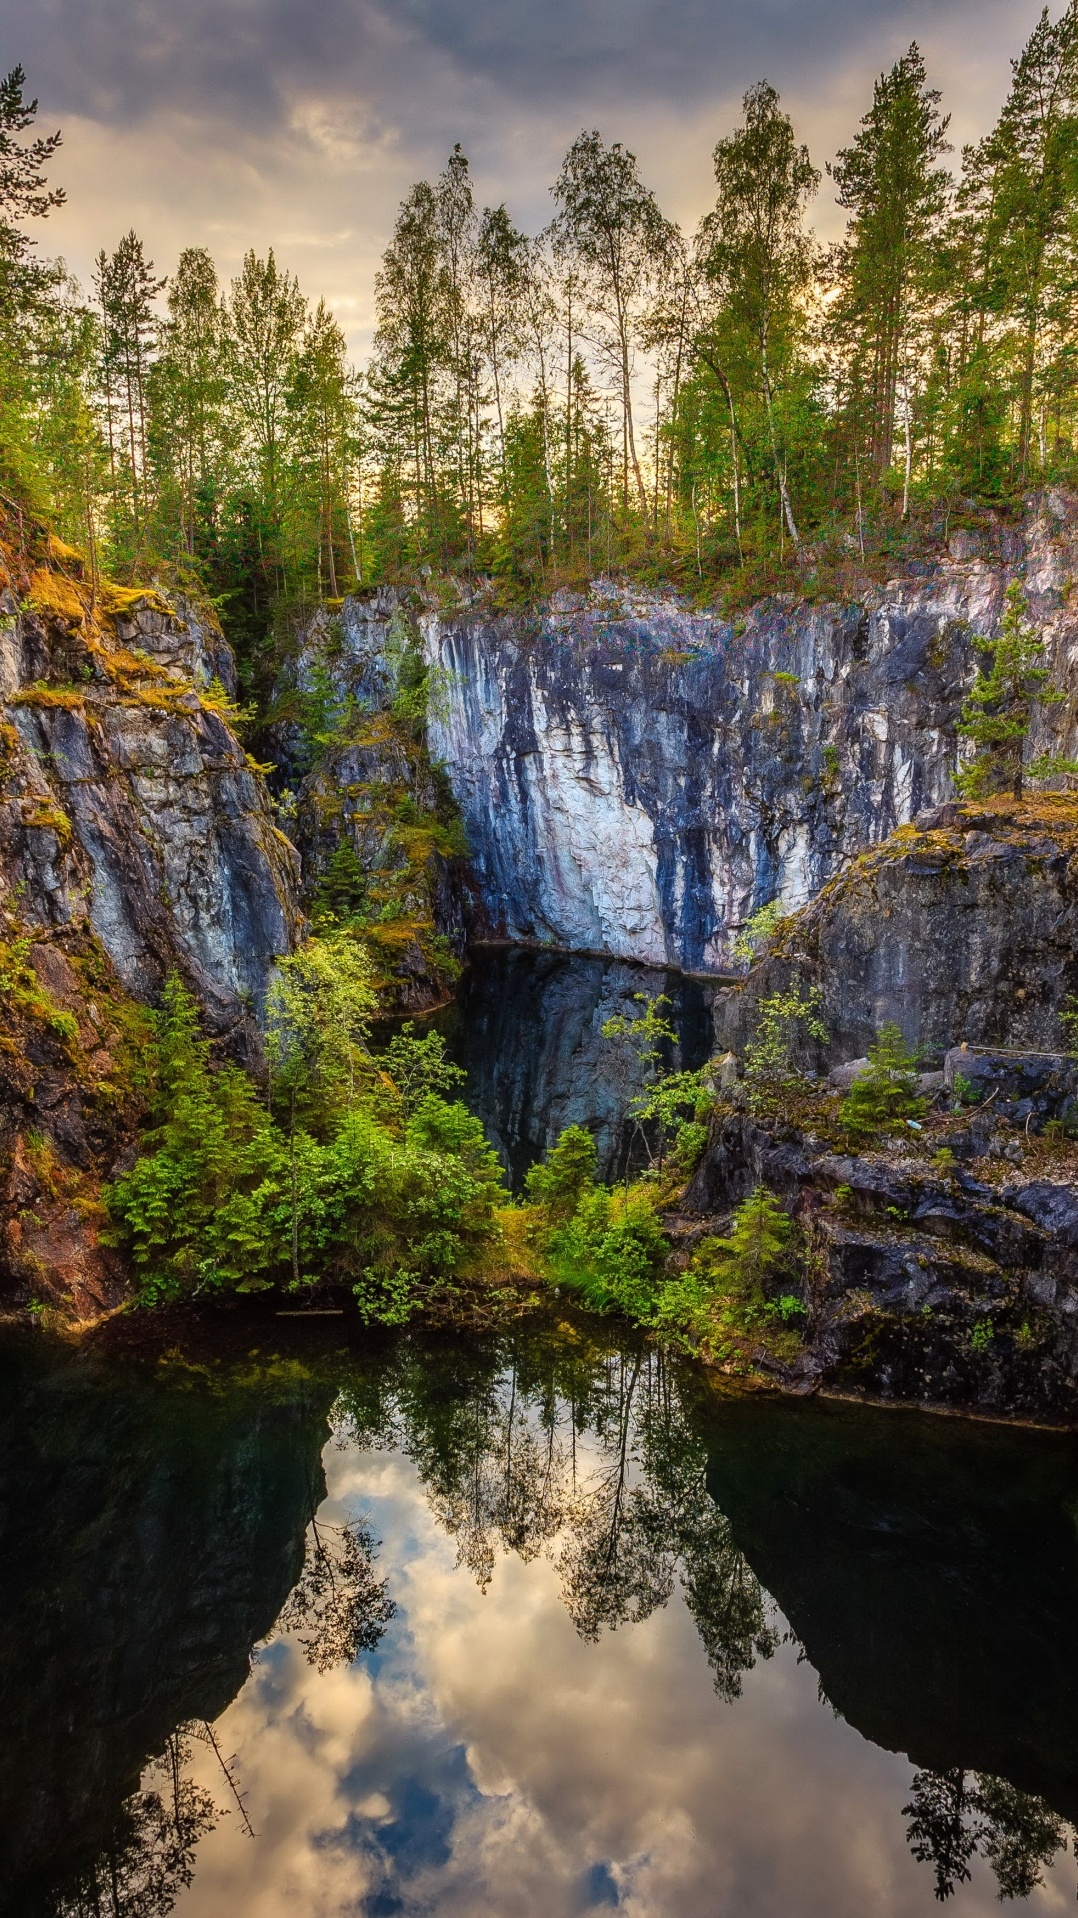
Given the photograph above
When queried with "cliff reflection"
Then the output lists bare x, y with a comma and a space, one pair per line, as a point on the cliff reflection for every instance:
163, 1522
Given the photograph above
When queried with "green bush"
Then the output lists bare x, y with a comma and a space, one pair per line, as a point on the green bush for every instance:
558, 1185
225, 1199
886, 1094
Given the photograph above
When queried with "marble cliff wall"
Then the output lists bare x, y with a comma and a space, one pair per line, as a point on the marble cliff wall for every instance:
636, 778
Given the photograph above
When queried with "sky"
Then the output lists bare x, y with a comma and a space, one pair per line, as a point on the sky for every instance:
301, 123
439, 1776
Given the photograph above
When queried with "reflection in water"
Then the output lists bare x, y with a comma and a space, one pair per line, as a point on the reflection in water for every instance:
338, 1608
500, 1708
149, 1858
952, 1817
528, 1029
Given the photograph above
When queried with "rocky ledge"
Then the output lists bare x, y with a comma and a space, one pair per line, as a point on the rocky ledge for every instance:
136, 840
954, 1288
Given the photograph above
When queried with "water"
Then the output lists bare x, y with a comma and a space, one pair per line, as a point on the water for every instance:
570, 1631
296, 1619
528, 1029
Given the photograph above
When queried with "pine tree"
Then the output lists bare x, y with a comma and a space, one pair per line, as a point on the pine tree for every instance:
24, 195
187, 402
323, 408
412, 357
264, 319
754, 247
999, 711
1019, 194
127, 290
897, 194
755, 1246
886, 1093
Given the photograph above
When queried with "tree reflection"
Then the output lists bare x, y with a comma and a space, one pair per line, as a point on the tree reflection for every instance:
589, 1456
954, 1815
150, 1857
338, 1608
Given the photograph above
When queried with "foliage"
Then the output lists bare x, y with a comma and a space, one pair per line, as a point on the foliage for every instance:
338, 1608
224, 1199
954, 1815
722, 1294
567, 1174
885, 1094
757, 930
612, 1250
418, 1066
318, 1014
786, 1021
733, 408
999, 711
665, 1108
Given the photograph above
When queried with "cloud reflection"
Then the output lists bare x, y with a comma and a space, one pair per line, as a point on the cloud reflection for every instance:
488, 1760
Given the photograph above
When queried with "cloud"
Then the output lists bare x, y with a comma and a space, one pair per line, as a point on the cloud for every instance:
490, 1762
230, 123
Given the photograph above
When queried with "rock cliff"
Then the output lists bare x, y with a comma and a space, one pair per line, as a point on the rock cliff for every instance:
135, 840
636, 778
127, 803
961, 928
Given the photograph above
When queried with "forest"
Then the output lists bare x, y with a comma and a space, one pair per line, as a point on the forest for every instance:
726, 411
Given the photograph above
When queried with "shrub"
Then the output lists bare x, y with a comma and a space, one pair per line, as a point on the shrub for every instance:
886, 1094
757, 930
226, 1200
558, 1185
786, 1020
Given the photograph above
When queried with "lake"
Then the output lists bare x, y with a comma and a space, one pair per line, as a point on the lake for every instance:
298, 1618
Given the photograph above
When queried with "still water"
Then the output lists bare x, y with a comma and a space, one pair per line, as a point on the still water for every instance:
297, 1619
534, 1624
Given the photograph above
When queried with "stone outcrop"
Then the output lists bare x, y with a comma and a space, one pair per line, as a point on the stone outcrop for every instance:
136, 840
360, 779
965, 931
950, 1282
127, 802
636, 777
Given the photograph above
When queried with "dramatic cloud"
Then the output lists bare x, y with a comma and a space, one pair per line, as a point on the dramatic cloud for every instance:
492, 1762
231, 123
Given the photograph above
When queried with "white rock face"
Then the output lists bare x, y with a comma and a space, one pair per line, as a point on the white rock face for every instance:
636, 779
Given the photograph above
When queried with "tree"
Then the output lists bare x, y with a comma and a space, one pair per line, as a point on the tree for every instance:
187, 391
411, 353
746, 1259
998, 713
568, 1172
264, 318
755, 248
786, 1020
611, 224
885, 1095
318, 1013
897, 194
127, 290
322, 404
1019, 191
502, 268
338, 1608
418, 1066
24, 195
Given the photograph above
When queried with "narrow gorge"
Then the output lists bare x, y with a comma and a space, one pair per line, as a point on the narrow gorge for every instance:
611, 774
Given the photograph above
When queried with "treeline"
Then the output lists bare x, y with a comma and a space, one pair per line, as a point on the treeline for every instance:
610, 394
